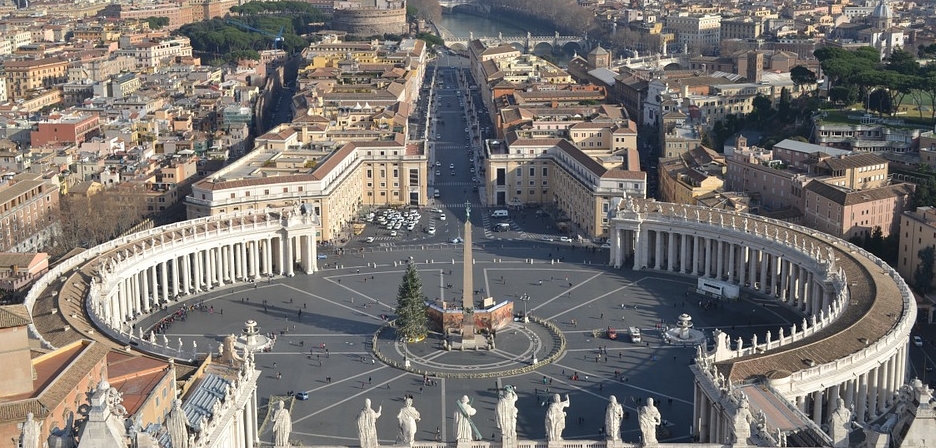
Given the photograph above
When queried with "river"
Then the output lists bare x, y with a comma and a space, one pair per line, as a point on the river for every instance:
462, 25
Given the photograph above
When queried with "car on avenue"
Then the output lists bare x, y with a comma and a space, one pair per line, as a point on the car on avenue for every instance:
322, 256
565, 239
917, 341
302, 396
369, 239
456, 240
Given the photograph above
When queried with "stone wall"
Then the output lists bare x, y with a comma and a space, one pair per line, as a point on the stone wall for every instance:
370, 21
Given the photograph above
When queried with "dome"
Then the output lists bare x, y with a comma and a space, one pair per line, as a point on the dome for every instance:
882, 11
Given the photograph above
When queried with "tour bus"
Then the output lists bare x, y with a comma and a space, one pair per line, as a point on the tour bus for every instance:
634, 334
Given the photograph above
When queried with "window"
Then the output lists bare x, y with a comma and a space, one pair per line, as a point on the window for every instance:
532, 172
519, 172
370, 174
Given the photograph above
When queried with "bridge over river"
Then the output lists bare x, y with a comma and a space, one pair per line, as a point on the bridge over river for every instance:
528, 43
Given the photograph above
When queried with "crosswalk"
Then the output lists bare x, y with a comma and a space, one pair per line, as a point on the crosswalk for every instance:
450, 184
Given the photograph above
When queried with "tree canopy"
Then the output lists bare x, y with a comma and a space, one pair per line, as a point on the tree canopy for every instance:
229, 42
411, 323
861, 75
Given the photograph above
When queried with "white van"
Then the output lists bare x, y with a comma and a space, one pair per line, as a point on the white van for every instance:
436, 193
499, 214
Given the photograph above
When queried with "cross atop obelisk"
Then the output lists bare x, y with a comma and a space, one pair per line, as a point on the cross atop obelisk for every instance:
467, 279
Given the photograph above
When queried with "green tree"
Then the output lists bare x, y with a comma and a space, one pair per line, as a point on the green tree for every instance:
879, 101
763, 106
923, 275
156, 23
784, 105
802, 76
411, 322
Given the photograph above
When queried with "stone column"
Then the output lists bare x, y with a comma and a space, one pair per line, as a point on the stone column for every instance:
703, 419
671, 252
732, 252
658, 250
850, 394
137, 301
817, 407
835, 392
184, 268
199, 272
164, 272
288, 258
753, 256
640, 248
268, 256
862, 407
145, 293
765, 261
720, 266
684, 253
873, 382
709, 253
742, 264
121, 301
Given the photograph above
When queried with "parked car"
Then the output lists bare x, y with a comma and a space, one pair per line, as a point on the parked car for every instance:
612, 333
431, 231
302, 396
917, 341
322, 256
369, 239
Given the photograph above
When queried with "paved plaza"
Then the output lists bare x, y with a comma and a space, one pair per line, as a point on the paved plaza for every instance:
324, 324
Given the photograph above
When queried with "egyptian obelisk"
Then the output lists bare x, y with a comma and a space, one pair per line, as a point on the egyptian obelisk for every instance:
467, 327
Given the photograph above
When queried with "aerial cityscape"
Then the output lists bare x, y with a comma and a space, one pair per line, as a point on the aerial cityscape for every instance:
467, 223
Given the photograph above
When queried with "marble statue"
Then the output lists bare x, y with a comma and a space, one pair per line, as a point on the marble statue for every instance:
407, 417
839, 425
649, 418
152, 338
165, 341
175, 424
507, 413
613, 415
282, 425
555, 418
742, 418
367, 425
29, 437
463, 425
180, 344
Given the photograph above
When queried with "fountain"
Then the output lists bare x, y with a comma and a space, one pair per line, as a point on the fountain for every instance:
683, 333
251, 339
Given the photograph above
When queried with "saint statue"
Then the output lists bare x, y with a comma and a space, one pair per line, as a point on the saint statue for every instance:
408, 416
176, 425
507, 413
649, 418
367, 425
463, 426
613, 415
29, 438
282, 425
838, 427
555, 418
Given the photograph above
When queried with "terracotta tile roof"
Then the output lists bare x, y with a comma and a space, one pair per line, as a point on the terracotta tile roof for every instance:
618, 173
584, 159
14, 316
843, 197
851, 161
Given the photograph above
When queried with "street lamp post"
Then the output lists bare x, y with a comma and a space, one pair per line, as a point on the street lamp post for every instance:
525, 298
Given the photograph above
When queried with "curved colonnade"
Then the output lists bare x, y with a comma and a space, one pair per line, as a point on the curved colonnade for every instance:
135, 275
857, 311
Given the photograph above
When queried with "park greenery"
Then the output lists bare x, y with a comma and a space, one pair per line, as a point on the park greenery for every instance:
411, 323
156, 23
222, 41
881, 86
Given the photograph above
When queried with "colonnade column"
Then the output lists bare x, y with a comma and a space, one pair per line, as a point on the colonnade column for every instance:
732, 253
862, 397
684, 253
764, 260
658, 250
720, 266
707, 269
742, 265
873, 380
164, 285
850, 394
145, 293
186, 270
159, 283
817, 406
671, 252
243, 260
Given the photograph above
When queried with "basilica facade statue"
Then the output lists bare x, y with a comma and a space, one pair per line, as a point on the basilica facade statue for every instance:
555, 418
367, 425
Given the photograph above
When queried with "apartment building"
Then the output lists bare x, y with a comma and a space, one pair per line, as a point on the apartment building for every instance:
696, 173
74, 128
333, 185
153, 53
698, 33
28, 204
917, 232
847, 213
775, 185
741, 28
524, 169
23, 76
863, 132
